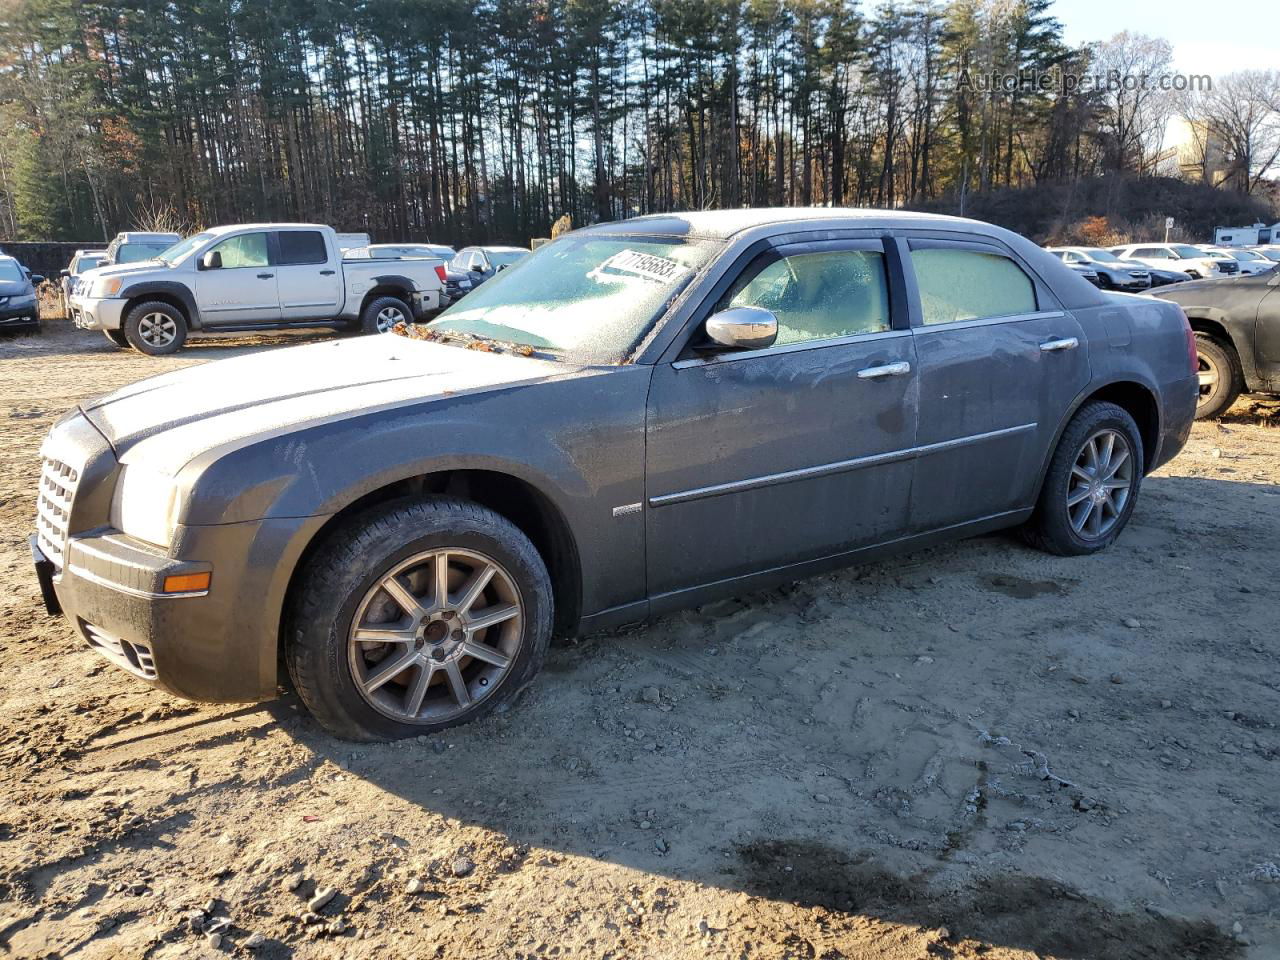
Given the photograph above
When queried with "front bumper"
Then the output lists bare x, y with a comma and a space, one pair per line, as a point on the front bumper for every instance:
218, 645
12, 317
90, 314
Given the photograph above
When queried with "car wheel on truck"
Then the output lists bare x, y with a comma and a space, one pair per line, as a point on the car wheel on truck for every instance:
417, 616
117, 337
1092, 483
1221, 379
381, 314
155, 328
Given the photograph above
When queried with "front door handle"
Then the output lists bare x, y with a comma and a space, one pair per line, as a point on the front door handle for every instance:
1067, 343
897, 369
326, 273
265, 276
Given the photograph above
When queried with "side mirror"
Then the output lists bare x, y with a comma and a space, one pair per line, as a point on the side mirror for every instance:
37, 279
64, 273
211, 261
743, 328
501, 267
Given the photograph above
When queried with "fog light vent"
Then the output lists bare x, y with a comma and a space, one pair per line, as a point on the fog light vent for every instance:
131, 655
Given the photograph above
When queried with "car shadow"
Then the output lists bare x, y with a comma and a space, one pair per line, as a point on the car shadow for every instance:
778, 746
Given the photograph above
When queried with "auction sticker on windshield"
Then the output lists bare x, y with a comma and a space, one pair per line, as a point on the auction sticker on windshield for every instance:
636, 264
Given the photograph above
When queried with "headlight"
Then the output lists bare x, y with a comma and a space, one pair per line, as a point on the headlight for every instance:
106, 287
145, 505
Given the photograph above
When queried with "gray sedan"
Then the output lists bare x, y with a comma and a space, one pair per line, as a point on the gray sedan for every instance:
638, 417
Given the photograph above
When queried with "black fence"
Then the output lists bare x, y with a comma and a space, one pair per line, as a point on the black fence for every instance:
47, 258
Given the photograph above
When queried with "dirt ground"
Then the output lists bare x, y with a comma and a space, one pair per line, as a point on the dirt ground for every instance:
977, 750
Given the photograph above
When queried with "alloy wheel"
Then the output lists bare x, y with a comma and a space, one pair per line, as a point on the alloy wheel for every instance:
157, 329
435, 635
1208, 373
388, 317
1100, 485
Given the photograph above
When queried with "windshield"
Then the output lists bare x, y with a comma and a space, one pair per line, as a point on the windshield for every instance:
1187, 252
1106, 256
9, 270
88, 262
183, 247
587, 295
1271, 254
137, 252
1245, 255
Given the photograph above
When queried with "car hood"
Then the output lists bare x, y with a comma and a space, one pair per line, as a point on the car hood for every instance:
14, 288
167, 421
123, 269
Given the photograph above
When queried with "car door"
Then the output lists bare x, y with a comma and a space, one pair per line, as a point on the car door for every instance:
1266, 339
243, 289
1000, 364
764, 458
306, 276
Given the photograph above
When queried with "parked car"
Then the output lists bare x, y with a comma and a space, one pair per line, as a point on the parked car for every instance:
1249, 262
251, 277
638, 417
1176, 256
1161, 278
1113, 273
18, 307
481, 263
1087, 272
1237, 328
82, 262
135, 247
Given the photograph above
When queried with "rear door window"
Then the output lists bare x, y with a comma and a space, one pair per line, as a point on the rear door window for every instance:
302, 246
959, 284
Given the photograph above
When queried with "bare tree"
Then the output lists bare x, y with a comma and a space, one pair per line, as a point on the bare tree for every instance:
1137, 109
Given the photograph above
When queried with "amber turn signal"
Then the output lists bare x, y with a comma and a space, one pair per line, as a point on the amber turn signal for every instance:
187, 582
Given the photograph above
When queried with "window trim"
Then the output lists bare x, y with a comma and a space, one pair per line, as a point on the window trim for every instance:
276, 255
1047, 304
681, 349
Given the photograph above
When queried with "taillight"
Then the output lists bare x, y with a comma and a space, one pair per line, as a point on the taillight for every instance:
1193, 355
444, 277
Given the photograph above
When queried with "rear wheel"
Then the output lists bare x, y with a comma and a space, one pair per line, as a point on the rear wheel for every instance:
1092, 483
155, 328
416, 617
1221, 378
382, 314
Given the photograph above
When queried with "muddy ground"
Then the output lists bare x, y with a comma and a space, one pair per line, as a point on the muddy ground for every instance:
977, 750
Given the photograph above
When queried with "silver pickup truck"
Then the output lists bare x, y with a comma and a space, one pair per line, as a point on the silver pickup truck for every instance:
252, 277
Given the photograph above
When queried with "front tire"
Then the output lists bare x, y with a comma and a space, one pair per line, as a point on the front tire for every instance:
382, 314
1221, 379
1091, 485
418, 616
155, 328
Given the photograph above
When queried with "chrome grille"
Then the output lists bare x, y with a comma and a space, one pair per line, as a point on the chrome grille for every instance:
53, 507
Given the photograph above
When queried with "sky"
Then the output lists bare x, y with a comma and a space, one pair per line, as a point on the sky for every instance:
1207, 37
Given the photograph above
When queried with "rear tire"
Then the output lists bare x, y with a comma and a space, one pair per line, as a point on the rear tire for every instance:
117, 337
377, 576
155, 328
1220, 365
383, 313
1092, 483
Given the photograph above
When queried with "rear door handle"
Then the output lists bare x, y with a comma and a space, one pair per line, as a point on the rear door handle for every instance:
1067, 343
326, 273
265, 276
897, 369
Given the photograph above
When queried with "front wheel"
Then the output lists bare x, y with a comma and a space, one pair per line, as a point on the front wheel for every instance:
155, 328
1221, 378
382, 315
416, 617
1091, 485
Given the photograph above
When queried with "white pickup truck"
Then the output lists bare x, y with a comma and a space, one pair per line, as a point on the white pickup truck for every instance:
250, 277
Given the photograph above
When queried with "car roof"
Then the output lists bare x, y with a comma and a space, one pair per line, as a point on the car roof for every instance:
723, 224
501, 249
228, 227
134, 236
